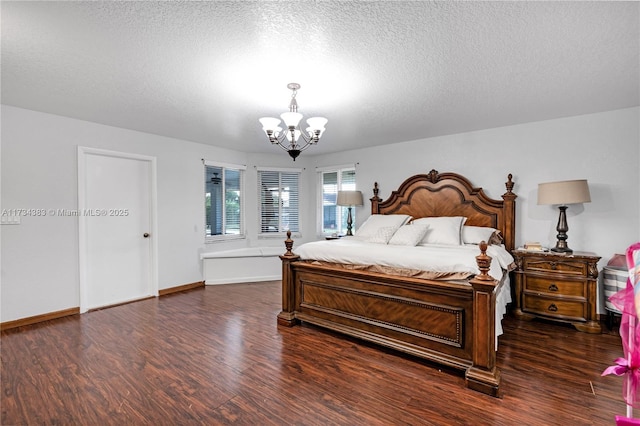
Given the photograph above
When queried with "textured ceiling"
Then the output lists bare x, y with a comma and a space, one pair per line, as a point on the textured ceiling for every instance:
381, 72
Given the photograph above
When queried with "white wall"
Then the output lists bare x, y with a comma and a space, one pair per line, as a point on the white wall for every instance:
39, 269
603, 148
39, 170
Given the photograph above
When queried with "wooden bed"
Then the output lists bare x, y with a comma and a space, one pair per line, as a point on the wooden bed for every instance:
448, 322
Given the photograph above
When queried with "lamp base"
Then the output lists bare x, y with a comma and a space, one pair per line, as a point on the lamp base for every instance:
565, 250
349, 223
562, 228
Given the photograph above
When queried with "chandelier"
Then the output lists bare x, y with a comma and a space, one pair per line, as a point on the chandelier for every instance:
293, 140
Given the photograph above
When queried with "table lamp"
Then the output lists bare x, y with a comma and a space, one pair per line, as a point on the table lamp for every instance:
562, 194
349, 199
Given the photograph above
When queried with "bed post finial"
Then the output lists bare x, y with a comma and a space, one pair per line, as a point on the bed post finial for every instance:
288, 243
509, 183
375, 199
484, 263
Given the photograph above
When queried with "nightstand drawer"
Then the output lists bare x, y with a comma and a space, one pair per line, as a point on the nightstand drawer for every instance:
554, 266
563, 309
555, 287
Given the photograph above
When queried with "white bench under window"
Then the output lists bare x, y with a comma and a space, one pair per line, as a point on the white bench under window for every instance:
249, 264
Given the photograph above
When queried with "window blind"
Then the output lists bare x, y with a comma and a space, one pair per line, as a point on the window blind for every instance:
279, 201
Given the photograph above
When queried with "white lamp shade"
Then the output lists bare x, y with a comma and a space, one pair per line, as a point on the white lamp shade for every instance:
564, 192
291, 118
349, 198
269, 123
317, 123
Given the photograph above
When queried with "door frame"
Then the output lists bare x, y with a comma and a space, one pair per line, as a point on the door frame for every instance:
83, 152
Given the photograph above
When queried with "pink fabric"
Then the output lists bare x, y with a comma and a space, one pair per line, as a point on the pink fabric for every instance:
627, 301
626, 421
618, 261
633, 263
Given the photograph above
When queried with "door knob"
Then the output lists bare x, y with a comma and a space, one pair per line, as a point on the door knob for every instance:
146, 235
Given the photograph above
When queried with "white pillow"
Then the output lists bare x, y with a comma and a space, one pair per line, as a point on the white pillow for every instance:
409, 235
376, 221
476, 234
382, 236
442, 230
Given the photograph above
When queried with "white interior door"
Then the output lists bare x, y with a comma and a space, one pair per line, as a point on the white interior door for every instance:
117, 233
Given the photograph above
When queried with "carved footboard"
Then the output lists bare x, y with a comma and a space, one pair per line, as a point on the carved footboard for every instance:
451, 323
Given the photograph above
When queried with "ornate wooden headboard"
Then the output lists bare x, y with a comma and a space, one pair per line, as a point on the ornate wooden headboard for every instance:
450, 194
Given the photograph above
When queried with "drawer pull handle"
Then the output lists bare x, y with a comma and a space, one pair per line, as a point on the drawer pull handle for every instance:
554, 265
552, 307
553, 287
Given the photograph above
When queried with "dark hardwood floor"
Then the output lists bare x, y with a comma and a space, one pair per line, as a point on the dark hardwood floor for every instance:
212, 356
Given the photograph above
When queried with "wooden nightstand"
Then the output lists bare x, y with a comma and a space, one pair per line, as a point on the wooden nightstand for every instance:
558, 287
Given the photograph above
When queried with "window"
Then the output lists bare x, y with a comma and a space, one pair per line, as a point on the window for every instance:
279, 202
224, 215
333, 218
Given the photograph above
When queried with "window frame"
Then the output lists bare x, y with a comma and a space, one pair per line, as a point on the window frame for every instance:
320, 172
281, 231
241, 169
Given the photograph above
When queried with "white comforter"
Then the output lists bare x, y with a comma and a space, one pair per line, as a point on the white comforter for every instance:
438, 258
